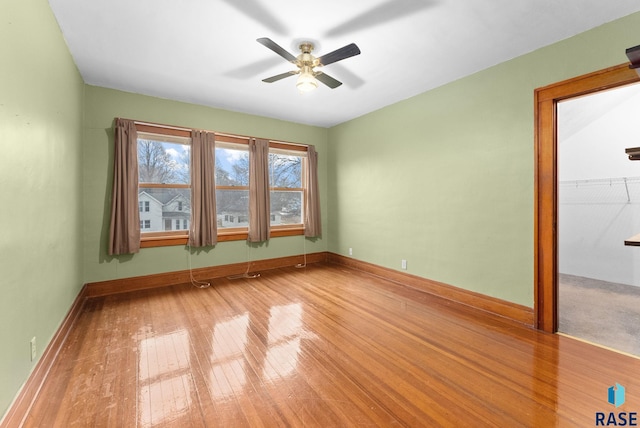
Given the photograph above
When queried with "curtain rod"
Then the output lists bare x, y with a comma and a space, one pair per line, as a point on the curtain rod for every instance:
223, 134
245, 137
159, 125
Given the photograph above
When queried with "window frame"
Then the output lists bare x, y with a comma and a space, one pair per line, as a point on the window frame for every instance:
164, 237
171, 238
279, 149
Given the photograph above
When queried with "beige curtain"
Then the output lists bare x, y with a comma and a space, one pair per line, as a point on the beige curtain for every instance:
259, 201
204, 227
124, 231
312, 224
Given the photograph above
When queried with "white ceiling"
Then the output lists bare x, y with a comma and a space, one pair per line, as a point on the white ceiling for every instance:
205, 51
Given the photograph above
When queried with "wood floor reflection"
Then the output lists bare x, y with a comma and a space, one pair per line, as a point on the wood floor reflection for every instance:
319, 346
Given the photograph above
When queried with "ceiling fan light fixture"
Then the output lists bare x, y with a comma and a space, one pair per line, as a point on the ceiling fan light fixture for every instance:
306, 81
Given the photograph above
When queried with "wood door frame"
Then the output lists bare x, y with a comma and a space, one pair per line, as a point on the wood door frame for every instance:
546, 181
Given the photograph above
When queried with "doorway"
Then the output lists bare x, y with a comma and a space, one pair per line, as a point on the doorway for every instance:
546, 182
598, 211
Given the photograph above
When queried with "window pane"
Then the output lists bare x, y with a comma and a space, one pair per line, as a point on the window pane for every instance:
163, 162
232, 165
286, 208
285, 170
161, 209
233, 208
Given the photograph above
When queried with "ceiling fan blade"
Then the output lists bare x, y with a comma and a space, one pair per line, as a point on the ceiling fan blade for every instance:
276, 48
382, 14
279, 76
328, 80
262, 15
339, 54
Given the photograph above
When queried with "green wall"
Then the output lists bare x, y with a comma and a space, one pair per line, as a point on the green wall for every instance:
101, 107
445, 179
40, 180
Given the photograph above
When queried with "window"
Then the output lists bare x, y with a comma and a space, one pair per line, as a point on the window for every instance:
285, 181
164, 190
286, 167
178, 224
232, 185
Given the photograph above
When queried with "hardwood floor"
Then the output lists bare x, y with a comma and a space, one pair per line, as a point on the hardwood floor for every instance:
319, 346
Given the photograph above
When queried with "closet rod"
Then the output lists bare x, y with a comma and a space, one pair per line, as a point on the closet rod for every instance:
611, 180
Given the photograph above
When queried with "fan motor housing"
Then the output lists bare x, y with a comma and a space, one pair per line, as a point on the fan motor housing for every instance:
306, 47
305, 59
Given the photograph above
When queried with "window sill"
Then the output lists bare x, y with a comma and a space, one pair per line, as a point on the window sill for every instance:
151, 240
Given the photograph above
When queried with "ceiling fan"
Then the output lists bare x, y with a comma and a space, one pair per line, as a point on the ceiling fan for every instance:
307, 63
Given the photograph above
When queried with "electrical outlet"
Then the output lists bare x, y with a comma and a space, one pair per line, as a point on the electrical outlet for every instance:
404, 264
351, 251
33, 348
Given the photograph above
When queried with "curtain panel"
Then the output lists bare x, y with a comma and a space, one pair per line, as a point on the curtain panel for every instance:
259, 192
204, 226
312, 223
124, 230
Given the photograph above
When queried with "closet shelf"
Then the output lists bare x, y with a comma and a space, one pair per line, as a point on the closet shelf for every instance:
634, 241
633, 152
